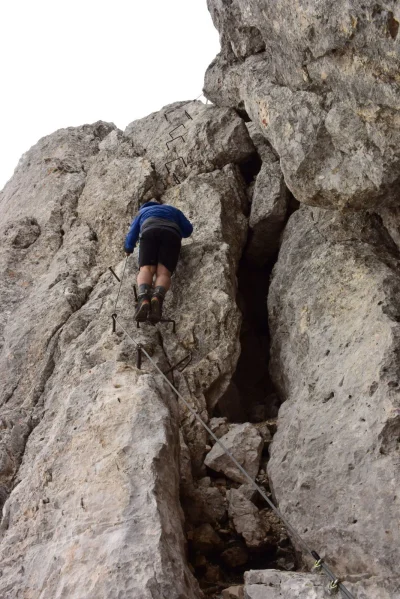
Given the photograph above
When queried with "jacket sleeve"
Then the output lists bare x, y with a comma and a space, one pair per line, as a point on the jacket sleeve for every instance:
185, 225
133, 236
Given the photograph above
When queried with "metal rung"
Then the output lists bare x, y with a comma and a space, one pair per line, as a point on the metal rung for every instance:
189, 356
178, 127
174, 160
115, 274
174, 139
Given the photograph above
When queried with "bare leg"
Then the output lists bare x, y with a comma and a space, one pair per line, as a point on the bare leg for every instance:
146, 274
144, 281
161, 286
163, 277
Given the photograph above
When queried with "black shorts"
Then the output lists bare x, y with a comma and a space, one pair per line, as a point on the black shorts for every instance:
159, 246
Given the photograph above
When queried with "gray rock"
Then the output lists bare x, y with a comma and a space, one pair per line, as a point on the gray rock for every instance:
210, 139
334, 320
203, 295
274, 584
246, 519
245, 444
324, 92
268, 214
248, 491
233, 593
219, 426
97, 437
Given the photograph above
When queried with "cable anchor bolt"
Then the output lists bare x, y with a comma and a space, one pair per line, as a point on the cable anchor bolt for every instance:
318, 565
333, 587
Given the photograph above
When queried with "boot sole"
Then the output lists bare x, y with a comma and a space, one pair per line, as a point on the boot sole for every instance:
155, 313
143, 312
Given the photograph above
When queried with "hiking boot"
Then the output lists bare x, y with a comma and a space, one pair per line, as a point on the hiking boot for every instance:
157, 300
143, 306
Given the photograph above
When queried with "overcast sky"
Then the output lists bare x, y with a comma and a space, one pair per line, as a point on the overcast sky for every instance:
77, 61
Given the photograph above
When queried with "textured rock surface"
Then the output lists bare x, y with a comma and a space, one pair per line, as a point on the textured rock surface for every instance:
246, 519
268, 214
320, 80
98, 488
233, 593
273, 584
334, 314
245, 444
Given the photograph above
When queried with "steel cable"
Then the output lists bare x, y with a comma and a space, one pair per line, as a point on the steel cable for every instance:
260, 490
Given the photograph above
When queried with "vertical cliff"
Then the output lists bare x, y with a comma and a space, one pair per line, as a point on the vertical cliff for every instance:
319, 81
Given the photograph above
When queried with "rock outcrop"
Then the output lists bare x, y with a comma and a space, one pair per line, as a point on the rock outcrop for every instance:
319, 83
320, 80
90, 444
334, 315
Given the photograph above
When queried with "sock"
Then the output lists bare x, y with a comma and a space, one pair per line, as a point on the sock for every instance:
144, 289
160, 291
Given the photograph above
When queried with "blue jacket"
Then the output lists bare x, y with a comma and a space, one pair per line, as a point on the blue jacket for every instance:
154, 210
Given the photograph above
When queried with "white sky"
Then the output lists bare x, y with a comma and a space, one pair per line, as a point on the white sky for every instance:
70, 62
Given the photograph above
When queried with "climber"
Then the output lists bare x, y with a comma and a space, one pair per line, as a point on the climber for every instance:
159, 228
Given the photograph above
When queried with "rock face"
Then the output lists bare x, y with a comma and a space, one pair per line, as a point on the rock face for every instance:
89, 444
269, 206
334, 315
320, 80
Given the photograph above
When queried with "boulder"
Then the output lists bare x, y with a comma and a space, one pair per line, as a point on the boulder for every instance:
204, 505
219, 427
274, 584
246, 519
233, 593
245, 444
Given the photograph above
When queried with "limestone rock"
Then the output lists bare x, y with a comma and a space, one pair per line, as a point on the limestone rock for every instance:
219, 426
274, 584
248, 491
96, 437
246, 519
203, 294
320, 83
245, 444
190, 138
268, 214
334, 319
233, 593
